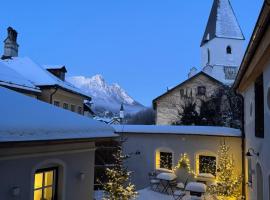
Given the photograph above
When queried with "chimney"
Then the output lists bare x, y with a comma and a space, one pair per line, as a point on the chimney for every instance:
193, 71
11, 46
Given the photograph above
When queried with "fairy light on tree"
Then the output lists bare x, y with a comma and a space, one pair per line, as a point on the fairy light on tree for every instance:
228, 183
184, 163
118, 186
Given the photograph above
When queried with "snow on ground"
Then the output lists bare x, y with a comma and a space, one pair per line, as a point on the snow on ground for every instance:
148, 194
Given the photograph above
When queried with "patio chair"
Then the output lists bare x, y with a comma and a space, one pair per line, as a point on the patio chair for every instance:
182, 186
154, 182
179, 194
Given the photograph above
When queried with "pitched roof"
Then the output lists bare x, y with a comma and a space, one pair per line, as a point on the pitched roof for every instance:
38, 75
44, 122
178, 130
222, 23
255, 40
12, 79
189, 79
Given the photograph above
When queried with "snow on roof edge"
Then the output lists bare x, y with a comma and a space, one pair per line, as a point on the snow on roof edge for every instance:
53, 124
178, 130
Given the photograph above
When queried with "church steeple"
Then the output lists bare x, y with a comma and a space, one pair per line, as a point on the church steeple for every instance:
222, 23
222, 45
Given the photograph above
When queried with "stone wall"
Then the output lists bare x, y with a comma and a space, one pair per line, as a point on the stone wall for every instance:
170, 104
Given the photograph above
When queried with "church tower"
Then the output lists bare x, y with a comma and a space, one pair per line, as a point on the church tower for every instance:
222, 45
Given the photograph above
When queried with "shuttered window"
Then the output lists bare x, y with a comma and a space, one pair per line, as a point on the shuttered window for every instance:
259, 107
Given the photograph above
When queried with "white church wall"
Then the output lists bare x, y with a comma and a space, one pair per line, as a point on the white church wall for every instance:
218, 54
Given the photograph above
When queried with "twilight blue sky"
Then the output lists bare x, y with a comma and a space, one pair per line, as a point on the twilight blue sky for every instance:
144, 45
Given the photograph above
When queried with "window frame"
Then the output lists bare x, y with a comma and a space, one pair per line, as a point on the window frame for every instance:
72, 107
54, 185
80, 110
66, 108
170, 165
201, 88
229, 50
55, 102
157, 158
199, 163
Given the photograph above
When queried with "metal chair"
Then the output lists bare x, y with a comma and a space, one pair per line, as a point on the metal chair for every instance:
154, 182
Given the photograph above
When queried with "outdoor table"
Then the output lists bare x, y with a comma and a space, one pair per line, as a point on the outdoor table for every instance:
196, 189
165, 180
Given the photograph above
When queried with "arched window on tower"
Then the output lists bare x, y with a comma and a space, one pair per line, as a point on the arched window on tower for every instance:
208, 56
229, 50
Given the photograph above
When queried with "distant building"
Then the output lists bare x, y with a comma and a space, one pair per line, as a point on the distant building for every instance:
46, 152
196, 89
253, 82
49, 82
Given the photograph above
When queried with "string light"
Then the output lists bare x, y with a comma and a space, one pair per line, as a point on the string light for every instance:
228, 183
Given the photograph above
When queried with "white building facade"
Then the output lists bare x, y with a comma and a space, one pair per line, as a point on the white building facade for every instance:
253, 82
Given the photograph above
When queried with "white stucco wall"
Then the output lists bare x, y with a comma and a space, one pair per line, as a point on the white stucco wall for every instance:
218, 54
18, 165
261, 145
147, 144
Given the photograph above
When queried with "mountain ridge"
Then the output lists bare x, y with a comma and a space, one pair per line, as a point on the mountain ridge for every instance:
106, 98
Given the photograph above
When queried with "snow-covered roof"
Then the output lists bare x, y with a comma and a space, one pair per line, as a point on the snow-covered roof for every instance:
222, 22
178, 130
37, 74
34, 120
10, 78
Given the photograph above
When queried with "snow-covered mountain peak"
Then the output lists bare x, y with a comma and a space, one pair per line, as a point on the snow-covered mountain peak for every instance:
105, 95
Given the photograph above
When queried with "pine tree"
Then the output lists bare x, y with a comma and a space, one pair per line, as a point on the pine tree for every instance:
228, 183
118, 186
188, 115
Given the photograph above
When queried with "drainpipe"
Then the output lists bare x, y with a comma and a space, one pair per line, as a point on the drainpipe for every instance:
243, 146
51, 95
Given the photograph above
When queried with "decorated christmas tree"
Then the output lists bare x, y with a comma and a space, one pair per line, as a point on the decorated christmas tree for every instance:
118, 186
228, 182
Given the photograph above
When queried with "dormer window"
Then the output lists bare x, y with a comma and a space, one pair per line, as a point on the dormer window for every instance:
229, 50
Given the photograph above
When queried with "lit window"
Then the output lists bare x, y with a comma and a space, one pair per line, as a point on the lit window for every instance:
65, 106
56, 103
72, 108
164, 160
207, 165
45, 184
229, 50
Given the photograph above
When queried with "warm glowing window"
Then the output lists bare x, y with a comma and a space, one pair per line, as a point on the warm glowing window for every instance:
164, 160
207, 165
45, 184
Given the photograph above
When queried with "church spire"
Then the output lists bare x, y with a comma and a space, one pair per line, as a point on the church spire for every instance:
222, 23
